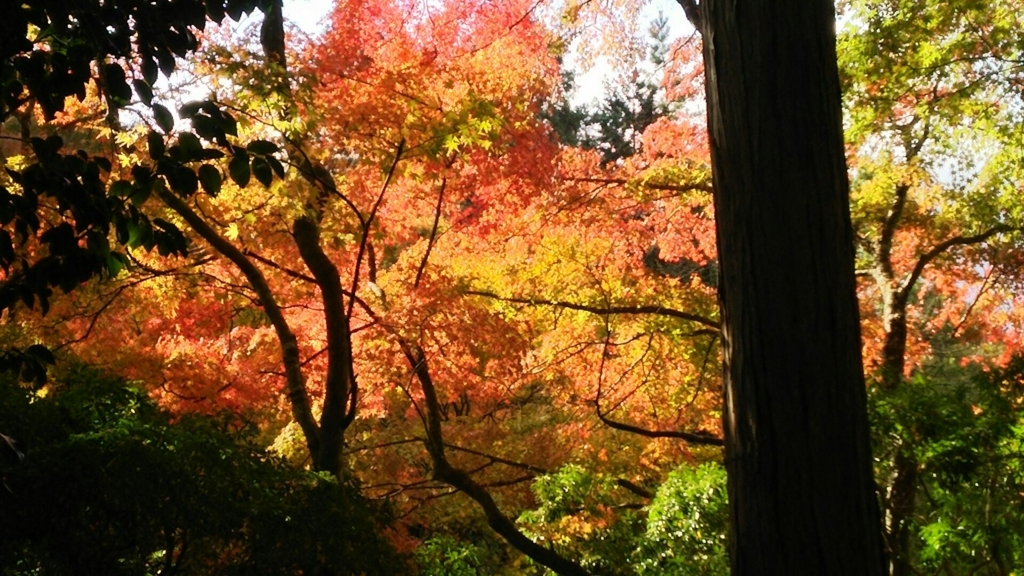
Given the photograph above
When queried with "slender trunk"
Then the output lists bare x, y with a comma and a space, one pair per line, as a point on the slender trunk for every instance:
801, 491
295, 381
903, 490
902, 499
339, 384
340, 391
462, 481
894, 349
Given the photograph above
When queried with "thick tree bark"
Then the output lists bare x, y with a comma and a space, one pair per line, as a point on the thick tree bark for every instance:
340, 382
801, 492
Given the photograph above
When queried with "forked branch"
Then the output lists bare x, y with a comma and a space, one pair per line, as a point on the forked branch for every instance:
461, 480
942, 247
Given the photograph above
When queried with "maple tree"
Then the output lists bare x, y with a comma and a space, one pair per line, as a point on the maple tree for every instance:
441, 151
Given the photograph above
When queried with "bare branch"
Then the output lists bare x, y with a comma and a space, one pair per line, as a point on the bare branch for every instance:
498, 459
509, 482
459, 479
634, 488
644, 309
986, 283
942, 247
369, 221
384, 445
702, 438
293, 273
703, 366
694, 438
701, 186
94, 317
433, 234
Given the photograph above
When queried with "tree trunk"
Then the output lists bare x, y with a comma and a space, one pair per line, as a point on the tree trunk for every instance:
902, 501
801, 492
902, 497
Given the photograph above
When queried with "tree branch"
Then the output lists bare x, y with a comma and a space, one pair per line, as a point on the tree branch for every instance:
462, 481
369, 221
985, 284
646, 309
297, 395
701, 186
889, 225
634, 488
497, 459
942, 247
433, 234
702, 438
339, 383
288, 271
693, 14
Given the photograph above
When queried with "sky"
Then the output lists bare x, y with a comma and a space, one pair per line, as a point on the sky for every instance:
307, 14
310, 16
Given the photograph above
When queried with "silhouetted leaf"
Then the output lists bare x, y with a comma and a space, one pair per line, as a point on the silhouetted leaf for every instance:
210, 178
239, 169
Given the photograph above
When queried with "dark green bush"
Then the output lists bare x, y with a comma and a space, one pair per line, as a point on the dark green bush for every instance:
111, 485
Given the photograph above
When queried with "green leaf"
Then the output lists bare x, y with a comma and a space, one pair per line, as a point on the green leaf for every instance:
188, 180
206, 128
139, 233
238, 168
144, 90
227, 122
150, 72
143, 175
120, 189
163, 118
103, 163
262, 171
210, 178
117, 86
277, 166
165, 226
212, 154
7, 255
215, 11
140, 195
116, 262
46, 149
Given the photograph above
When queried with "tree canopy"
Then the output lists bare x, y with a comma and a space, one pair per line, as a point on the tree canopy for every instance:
389, 298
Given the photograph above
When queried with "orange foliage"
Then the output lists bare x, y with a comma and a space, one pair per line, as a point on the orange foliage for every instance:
485, 211
521, 267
